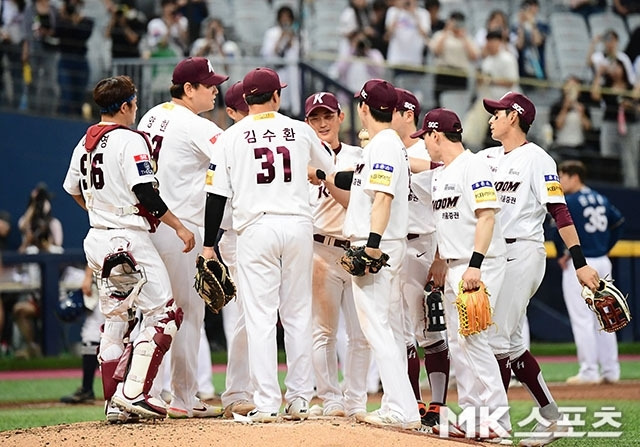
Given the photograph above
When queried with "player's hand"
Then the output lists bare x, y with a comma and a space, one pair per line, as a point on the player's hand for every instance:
208, 253
312, 176
587, 276
375, 253
187, 237
471, 278
438, 272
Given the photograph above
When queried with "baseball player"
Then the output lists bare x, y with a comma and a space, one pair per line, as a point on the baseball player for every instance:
331, 283
599, 225
528, 187
421, 249
470, 241
377, 217
182, 147
261, 164
238, 394
110, 175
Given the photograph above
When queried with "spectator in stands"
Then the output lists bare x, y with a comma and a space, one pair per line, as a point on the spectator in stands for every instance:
498, 74
283, 41
196, 12
529, 38
5, 229
41, 232
570, 120
626, 7
455, 54
73, 30
214, 45
619, 132
379, 40
126, 29
433, 8
40, 51
496, 21
609, 54
587, 7
11, 37
354, 19
167, 35
407, 29
361, 64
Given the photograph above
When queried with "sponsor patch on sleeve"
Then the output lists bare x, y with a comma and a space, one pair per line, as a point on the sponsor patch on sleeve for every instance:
143, 164
210, 172
552, 182
484, 191
381, 174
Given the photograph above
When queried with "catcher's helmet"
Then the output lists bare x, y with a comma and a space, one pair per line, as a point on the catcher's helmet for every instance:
71, 307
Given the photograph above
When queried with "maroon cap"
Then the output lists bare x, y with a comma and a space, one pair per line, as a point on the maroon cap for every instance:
261, 80
378, 94
407, 101
319, 100
196, 70
440, 120
234, 98
513, 101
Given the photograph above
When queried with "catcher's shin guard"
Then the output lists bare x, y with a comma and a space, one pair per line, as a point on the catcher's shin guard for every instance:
109, 384
150, 347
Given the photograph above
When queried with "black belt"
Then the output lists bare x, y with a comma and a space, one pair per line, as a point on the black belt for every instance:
412, 236
107, 228
332, 241
510, 240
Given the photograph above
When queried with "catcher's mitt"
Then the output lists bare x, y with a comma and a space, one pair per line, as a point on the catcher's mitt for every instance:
474, 310
355, 261
609, 305
213, 283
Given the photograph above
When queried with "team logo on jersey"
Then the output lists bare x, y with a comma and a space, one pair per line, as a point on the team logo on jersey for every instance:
381, 174
447, 202
483, 191
210, 171
553, 185
214, 138
143, 164
507, 186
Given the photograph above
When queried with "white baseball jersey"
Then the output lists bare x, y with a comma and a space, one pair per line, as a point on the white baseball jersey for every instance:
187, 140
524, 174
266, 149
457, 191
421, 218
384, 167
328, 215
124, 155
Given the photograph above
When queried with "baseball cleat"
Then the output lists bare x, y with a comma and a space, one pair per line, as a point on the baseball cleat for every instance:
201, 410
241, 407
543, 434
115, 415
145, 406
431, 415
262, 416
78, 397
298, 409
388, 419
335, 410
579, 380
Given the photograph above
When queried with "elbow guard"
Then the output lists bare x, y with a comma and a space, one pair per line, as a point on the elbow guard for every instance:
150, 198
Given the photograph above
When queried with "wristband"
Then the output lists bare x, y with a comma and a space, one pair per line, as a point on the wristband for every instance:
577, 257
476, 260
321, 174
374, 240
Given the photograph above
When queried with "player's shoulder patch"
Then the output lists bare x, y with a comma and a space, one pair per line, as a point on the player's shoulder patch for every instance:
381, 174
483, 191
552, 182
143, 163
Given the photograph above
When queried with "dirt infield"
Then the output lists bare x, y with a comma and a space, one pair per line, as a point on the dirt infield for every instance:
316, 432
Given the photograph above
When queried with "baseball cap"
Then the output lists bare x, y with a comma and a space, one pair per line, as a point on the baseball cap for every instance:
319, 100
196, 69
407, 101
261, 80
440, 120
513, 101
378, 94
233, 98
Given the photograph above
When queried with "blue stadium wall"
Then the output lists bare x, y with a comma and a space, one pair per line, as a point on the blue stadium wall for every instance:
34, 149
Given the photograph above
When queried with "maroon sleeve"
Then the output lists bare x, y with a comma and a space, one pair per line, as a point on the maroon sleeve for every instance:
560, 213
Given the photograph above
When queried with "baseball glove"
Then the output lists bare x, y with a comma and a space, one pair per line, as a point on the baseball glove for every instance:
355, 261
474, 310
609, 305
213, 283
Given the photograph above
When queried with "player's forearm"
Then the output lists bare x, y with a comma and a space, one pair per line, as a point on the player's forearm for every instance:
569, 235
380, 212
484, 230
340, 195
